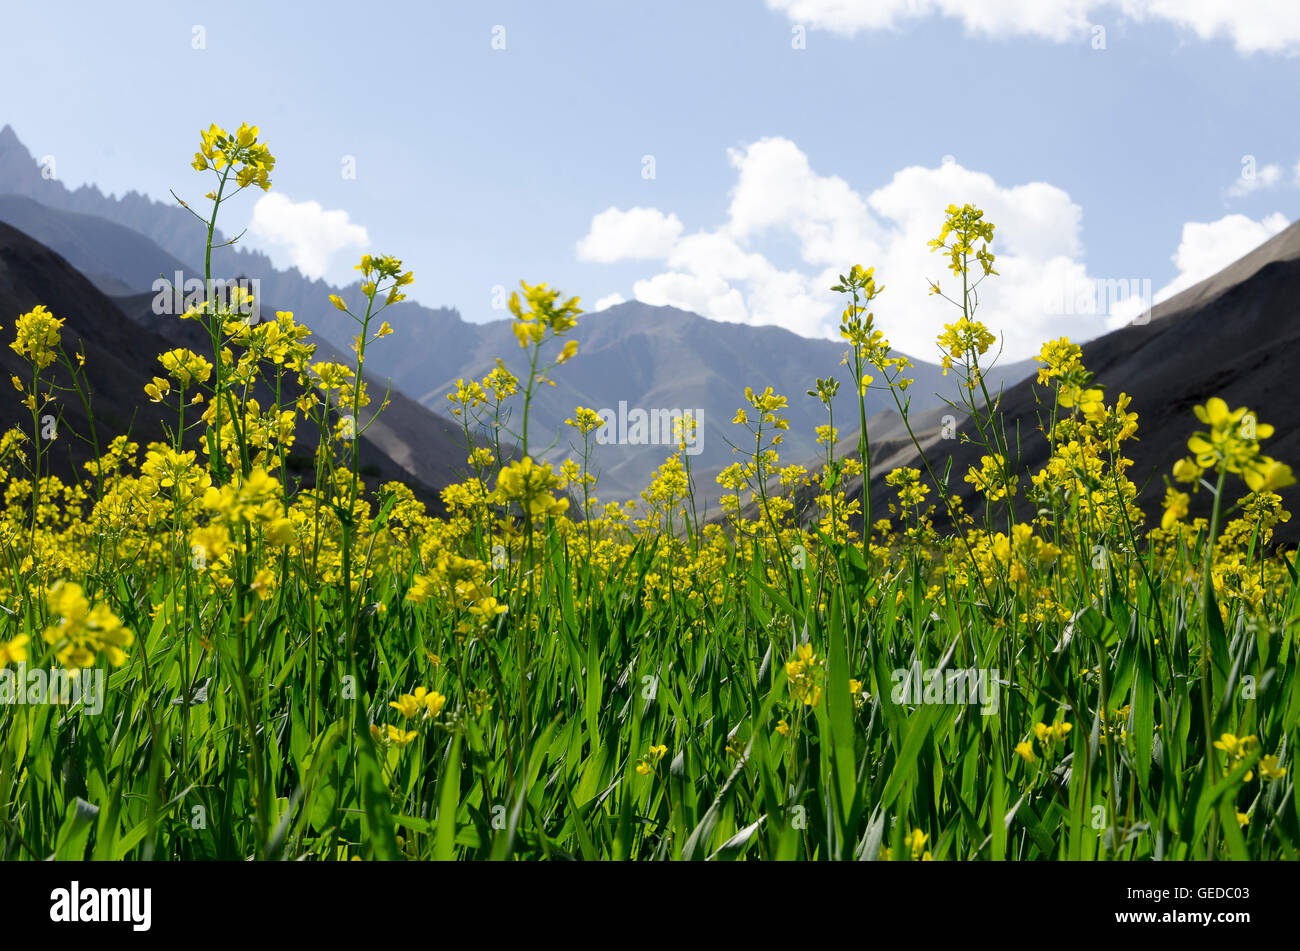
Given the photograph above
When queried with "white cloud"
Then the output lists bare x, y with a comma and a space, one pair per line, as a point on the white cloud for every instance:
608, 301
831, 226
1271, 26
637, 233
1209, 246
311, 234
776, 188
1039, 260
1268, 26
704, 294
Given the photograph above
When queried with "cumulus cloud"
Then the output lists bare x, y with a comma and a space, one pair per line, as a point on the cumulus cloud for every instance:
722, 274
312, 235
638, 233
1270, 26
608, 301
1210, 246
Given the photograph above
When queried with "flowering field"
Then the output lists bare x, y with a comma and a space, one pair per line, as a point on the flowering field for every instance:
201, 659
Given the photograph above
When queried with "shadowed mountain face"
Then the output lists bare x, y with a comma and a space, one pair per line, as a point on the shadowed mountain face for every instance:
1235, 335
115, 349
121, 357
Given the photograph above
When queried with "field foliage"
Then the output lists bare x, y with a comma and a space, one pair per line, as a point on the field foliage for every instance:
318, 668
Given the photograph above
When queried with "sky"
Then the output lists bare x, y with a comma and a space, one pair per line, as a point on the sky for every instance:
729, 157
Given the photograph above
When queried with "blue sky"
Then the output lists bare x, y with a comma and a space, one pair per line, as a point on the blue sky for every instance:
774, 165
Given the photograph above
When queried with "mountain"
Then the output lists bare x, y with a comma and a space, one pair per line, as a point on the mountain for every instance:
170, 227
648, 358
1235, 335
121, 357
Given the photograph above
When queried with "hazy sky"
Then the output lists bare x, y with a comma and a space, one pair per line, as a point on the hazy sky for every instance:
727, 157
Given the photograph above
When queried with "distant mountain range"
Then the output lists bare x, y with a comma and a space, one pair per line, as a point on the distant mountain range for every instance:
166, 225
643, 357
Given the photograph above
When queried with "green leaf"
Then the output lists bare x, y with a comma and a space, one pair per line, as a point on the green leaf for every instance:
448, 803
79, 819
377, 816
